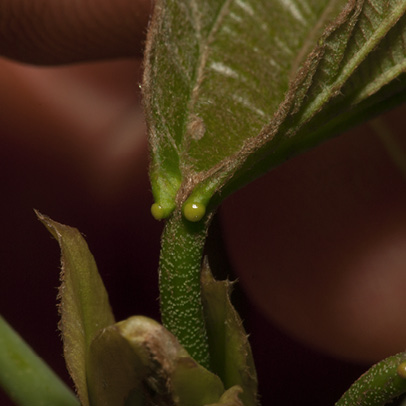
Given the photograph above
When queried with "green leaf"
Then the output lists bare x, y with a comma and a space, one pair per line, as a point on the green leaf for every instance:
84, 304
230, 351
349, 75
139, 362
232, 88
113, 369
380, 385
194, 385
25, 377
230, 397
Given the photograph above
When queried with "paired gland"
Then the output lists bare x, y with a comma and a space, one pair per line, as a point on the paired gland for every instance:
193, 212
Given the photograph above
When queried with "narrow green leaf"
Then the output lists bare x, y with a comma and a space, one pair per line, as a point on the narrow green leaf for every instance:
84, 304
232, 88
25, 377
230, 351
380, 385
139, 362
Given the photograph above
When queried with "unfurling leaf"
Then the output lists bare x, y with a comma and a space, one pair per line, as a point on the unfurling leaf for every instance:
84, 305
139, 362
232, 88
230, 350
136, 362
230, 397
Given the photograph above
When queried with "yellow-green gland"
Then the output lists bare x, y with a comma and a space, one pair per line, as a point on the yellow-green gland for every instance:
194, 211
401, 370
157, 211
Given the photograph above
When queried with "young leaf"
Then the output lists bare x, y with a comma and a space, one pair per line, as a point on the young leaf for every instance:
232, 89
114, 370
230, 351
139, 362
84, 304
230, 397
193, 384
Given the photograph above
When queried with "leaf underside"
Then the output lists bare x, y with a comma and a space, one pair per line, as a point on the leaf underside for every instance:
232, 88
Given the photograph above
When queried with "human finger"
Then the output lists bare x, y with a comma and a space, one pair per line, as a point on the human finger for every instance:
319, 245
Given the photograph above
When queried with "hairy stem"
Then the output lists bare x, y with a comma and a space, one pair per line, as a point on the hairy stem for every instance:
381, 384
179, 283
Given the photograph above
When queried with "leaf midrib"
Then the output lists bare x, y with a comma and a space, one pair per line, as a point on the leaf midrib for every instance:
349, 68
230, 162
202, 63
204, 51
308, 44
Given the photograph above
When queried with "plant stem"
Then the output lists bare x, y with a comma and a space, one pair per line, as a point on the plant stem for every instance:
179, 283
380, 385
25, 377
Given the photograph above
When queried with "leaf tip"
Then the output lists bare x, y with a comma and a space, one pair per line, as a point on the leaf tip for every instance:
50, 225
41, 217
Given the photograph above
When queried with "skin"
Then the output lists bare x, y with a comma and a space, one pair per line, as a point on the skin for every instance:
47, 32
319, 244
326, 254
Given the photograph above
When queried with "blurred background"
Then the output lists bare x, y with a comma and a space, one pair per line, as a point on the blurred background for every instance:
73, 146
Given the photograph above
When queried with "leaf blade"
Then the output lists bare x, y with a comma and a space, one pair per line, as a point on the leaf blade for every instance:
84, 305
220, 146
195, 60
230, 351
138, 360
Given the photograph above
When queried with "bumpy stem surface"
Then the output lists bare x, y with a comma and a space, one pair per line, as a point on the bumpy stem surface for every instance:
179, 280
380, 385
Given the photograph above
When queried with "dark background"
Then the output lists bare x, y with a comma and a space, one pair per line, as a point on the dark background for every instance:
42, 168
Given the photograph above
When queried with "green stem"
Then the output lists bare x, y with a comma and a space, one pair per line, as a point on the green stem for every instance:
381, 384
179, 283
25, 377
